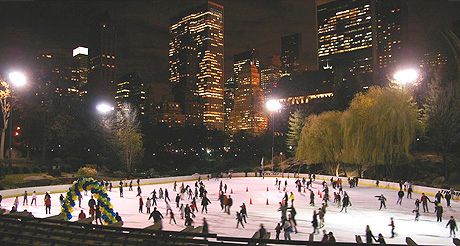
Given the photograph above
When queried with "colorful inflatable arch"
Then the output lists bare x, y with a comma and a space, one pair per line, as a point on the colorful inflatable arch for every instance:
99, 194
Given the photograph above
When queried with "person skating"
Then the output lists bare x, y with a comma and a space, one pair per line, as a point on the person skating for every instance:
157, 217
314, 223
168, 207
175, 186
171, 218
345, 202
61, 199
331, 238
154, 199
392, 225
417, 204
204, 203
131, 185
139, 191
98, 215
409, 190
417, 213
229, 204
16, 202
293, 223
47, 204
325, 237
424, 199
25, 200
239, 219
167, 196
291, 198
79, 199
278, 231
177, 200
121, 189
438, 197
448, 197
369, 235
287, 230
205, 228
382, 200
244, 212
160, 193
312, 198
283, 209
400, 197
110, 186
321, 218
453, 226
439, 210
118, 217
182, 211
34, 199
148, 204
141, 204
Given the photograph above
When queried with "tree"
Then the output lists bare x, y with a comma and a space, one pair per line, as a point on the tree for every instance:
296, 121
5, 103
442, 117
379, 127
125, 127
321, 140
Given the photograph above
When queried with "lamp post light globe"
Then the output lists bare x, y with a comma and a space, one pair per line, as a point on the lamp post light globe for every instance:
17, 79
406, 76
273, 105
104, 108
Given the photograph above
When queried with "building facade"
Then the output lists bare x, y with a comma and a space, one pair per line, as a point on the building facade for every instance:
269, 78
362, 36
196, 64
80, 67
230, 87
248, 112
130, 89
291, 50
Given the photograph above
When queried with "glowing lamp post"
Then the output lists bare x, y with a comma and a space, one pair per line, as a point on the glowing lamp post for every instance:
16, 79
404, 77
273, 106
104, 108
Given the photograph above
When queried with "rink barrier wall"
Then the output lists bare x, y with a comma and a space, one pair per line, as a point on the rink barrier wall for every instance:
64, 188
429, 191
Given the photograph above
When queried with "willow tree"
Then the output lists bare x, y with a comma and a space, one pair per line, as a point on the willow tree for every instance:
296, 121
379, 127
5, 103
321, 140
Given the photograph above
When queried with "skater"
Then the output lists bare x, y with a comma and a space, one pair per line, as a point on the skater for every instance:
278, 231
244, 212
141, 204
225, 188
312, 198
171, 214
239, 219
382, 200
453, 226
331, 238
314, 222
369, 235
229, 204
79, 199
61, 199
182, 211
409, 190
439, 210
205, 228
157, 218
400, 197
205, 202
47, 204
98, 215
293, 223
81, 215
321, 215
25, 200
118, 217
175, 186
448, 197
345, 202
325, 237
287, 230
139, 191
168, 208
110, 186
167, 196
417, 204
148, 204
121, 189
34, 199
262, 231
417, 213
392, 225
131, 185
438, 197
16, 202
177, 200
291, 198
424, 199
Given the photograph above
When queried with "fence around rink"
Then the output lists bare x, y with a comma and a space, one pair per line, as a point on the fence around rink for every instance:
429, 191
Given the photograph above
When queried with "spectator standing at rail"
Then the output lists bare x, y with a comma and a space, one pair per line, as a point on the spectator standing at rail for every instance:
98, 215
205, 228
81, 215
369, 235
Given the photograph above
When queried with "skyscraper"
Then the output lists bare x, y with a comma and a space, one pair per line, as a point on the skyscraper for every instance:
269, 78
291, 50
230, 86
130, 89
248, 110
243, 58
196, 63
102, 53
362, 36
80, 66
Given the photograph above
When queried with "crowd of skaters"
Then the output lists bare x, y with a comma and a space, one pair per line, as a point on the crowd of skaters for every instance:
185, 194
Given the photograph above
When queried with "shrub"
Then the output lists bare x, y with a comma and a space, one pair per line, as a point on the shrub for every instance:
26, 170
86, 172
36, 169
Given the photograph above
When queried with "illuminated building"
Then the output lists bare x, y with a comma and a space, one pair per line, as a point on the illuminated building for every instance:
248, 112
364, 36
102, 53
433, 60
79, 76
196, 63
269, 78
230, 87
168, 114
130, 89
291, 49
242, 59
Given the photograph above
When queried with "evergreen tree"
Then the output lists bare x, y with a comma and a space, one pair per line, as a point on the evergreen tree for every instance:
296, 122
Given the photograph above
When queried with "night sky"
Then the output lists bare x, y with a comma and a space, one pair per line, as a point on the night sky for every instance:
27, 28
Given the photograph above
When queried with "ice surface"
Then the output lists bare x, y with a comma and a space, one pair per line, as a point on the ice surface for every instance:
364, 211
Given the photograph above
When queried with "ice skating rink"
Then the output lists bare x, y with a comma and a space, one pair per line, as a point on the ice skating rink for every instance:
364, 211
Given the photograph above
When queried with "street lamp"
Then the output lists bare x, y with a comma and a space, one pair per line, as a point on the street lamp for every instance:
273, 106
16, 79
104, 108
406, 76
